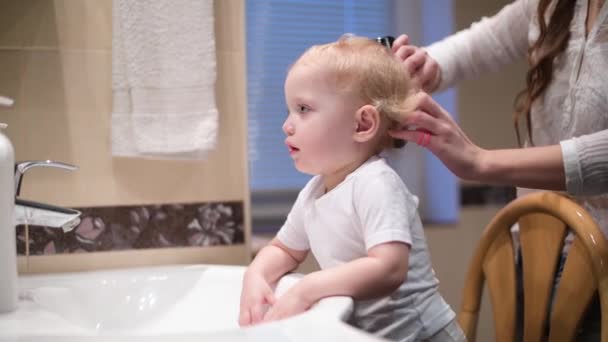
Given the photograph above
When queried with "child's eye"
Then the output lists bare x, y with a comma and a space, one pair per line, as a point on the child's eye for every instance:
303, 109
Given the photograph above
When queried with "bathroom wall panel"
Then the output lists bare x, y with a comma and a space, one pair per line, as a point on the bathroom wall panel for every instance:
55, 60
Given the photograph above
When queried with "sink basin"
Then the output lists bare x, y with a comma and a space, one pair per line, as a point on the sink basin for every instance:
153, 300
198, 300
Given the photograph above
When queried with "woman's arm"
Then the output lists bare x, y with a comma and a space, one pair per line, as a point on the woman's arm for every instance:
486, 46
578, 165
586, 163
534, 167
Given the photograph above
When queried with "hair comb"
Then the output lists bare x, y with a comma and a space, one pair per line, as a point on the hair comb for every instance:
386, 41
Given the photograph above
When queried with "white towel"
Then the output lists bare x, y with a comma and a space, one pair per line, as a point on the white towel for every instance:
163, 79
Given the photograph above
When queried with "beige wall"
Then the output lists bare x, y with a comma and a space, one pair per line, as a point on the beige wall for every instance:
485, 110
55, 61
485, 105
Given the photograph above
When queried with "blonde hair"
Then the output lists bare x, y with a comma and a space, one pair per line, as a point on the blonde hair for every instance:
368, 69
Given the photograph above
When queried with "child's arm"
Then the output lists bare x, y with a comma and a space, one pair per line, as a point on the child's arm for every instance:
274, 260
269, 265
379, 274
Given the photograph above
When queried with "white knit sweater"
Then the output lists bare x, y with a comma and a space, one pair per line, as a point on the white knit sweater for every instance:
572, 112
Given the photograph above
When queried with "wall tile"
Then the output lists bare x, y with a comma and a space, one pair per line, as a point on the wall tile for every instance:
84, 24
21, 240
22, 263
142, 227
62, 81
60, 91
11, 16
65, 24
229, 24
42, 81
43, 118
231, 71
38, 24
11, 67
67, 109
87, 82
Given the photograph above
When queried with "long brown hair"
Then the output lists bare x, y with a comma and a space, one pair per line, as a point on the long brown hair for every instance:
552, 41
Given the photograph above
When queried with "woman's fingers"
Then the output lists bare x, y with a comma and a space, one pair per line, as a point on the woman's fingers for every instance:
400, 41
405, 52
431, 121
430, 75
444, 137
420, 137
415, 62
422, 101
423, 122
423, 69
419, 101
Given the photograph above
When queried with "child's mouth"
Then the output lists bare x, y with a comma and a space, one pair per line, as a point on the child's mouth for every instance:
292, 149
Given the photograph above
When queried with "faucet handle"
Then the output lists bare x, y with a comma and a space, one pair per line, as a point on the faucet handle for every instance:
22, 167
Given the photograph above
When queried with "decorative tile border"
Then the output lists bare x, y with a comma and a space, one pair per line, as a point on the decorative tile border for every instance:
137, 227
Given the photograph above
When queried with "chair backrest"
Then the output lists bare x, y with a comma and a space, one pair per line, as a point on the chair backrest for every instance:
543, 218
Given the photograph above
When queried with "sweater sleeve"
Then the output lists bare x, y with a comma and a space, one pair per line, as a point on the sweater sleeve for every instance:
486, 46
586, 164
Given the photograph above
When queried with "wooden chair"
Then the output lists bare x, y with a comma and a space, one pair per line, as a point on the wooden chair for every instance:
542, 218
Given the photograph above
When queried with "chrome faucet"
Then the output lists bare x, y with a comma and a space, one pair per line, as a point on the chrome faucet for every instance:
41, 214
14, 211
22, 167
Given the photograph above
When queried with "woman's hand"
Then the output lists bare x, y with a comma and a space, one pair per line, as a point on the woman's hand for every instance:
256, 297
291, 303
422, 69
447, 141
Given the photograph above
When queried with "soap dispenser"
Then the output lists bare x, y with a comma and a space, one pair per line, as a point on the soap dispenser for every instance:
8, 250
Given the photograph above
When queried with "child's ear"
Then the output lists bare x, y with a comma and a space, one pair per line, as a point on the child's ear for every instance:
367, 123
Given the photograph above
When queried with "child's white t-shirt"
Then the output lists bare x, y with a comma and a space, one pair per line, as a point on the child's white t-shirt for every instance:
370, 207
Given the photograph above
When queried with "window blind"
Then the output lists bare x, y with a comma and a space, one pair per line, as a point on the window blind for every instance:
278, 31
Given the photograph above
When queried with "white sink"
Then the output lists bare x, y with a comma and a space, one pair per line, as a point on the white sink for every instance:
196, 301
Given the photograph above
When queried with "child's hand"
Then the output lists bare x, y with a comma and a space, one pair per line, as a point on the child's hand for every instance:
291, 303
256, 296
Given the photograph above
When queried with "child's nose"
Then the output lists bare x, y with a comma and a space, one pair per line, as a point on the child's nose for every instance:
288, 128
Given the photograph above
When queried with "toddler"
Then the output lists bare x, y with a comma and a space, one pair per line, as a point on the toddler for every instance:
355, 215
